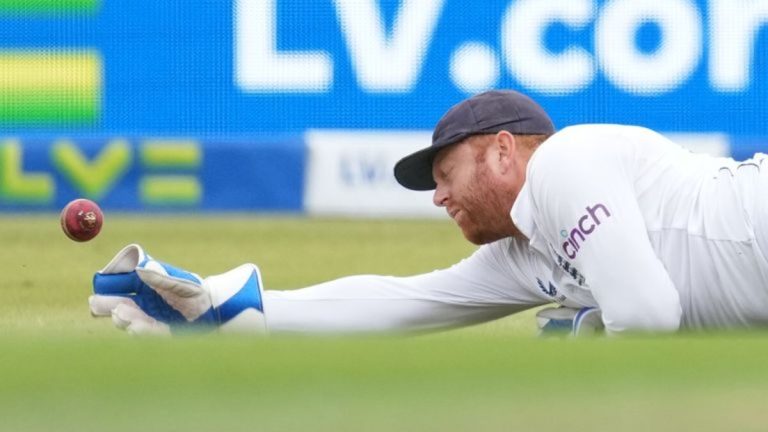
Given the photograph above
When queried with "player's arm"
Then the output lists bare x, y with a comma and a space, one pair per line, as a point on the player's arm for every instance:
144, 295
480, 288
585, 202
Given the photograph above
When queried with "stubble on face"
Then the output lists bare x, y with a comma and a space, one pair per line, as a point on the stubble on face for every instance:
486, 205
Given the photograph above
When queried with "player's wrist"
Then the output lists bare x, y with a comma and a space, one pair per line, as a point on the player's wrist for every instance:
561, 321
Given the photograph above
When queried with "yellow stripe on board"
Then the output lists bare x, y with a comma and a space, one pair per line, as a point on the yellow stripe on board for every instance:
50, 70
50, 87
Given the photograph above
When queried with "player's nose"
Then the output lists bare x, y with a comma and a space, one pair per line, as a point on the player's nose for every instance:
440, 196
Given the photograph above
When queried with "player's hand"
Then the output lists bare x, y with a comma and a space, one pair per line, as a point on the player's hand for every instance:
564, 321
144, 295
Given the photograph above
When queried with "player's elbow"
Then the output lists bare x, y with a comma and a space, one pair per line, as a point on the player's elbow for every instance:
656, 319
664, 319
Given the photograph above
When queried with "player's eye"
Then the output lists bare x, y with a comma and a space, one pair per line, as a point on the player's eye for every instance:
448, 173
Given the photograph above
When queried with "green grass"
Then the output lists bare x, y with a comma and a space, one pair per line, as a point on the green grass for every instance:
48, 276
61, 370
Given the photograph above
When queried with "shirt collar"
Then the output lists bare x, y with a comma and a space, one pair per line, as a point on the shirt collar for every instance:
522, 213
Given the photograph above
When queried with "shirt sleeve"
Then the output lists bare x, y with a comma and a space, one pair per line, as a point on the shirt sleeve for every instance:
483, 287
583, 198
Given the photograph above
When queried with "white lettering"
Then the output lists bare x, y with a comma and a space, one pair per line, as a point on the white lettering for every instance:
527, 58
648, 73
387, 64
734, 25
391, 61
259, 67
474, 67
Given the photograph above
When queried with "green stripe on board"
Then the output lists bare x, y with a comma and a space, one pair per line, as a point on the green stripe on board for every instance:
48, 107
48, 6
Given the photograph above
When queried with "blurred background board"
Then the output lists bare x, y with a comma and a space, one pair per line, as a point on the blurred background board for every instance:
284, 105
273, 66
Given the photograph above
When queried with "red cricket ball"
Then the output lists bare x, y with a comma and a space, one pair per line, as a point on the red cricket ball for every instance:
81, 220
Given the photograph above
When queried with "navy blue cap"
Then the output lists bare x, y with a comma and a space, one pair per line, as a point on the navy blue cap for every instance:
485, 113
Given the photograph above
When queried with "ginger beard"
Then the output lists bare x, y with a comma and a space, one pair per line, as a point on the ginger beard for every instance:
485, 206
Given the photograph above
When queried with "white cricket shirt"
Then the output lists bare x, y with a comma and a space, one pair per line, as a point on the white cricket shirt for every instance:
617, 217
656, 236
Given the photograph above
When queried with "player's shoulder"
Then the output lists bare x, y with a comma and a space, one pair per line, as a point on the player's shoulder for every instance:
591, 144
585, 134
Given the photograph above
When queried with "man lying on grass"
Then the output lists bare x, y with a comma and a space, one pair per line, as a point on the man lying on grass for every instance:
614, 225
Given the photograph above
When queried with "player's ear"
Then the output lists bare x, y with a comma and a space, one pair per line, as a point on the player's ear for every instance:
505, 146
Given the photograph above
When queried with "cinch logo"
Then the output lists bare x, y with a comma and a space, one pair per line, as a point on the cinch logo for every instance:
584, 227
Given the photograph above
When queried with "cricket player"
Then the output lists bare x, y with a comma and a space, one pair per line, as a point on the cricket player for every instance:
615, 225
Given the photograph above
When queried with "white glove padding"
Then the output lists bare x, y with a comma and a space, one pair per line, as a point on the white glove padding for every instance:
129, 317
144, 295
565, 321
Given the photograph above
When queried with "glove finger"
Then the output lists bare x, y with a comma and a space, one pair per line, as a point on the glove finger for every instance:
102, 305
145, 327
124, 314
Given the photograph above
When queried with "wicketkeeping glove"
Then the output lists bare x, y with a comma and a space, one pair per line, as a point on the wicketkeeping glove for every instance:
144, 295
565, 321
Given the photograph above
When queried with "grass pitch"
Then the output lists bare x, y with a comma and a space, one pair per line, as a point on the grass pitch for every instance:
61, 370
